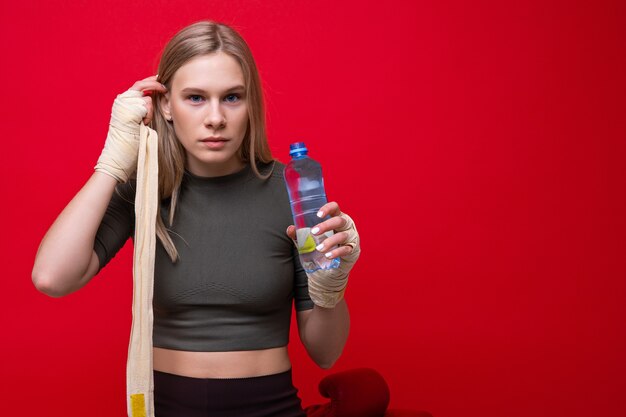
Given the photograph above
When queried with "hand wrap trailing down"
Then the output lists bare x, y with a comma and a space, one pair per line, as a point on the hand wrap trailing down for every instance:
327, 286
132, 146
119, 156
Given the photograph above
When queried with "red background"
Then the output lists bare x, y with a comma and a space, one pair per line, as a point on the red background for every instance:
479, 146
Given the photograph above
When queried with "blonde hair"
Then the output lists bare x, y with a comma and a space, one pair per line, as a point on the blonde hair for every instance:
197, 39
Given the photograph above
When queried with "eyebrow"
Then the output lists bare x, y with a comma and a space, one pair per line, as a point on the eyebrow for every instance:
199, 90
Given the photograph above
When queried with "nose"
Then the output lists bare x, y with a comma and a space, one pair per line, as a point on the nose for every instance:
215, 117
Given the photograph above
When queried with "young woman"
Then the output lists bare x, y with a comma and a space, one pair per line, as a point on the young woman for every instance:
226, 270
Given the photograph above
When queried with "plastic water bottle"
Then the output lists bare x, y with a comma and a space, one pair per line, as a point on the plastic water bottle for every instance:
303, 177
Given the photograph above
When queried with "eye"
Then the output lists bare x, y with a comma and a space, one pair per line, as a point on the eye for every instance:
191, 98
236, 96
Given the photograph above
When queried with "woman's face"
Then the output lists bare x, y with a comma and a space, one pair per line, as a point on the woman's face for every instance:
207, 105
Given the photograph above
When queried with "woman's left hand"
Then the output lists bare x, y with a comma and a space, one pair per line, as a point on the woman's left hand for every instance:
327, 286
345, 236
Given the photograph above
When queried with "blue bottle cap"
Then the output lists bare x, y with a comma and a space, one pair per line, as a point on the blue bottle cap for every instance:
297, 149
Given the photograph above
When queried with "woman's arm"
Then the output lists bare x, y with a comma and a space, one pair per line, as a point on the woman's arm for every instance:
66, 260
324, 332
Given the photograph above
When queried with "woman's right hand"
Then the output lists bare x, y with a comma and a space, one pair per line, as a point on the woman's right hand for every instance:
121, 148
147, 86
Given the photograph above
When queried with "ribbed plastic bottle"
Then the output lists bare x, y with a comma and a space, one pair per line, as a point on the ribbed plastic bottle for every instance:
303, 178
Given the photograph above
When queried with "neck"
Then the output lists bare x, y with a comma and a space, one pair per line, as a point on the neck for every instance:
215, 170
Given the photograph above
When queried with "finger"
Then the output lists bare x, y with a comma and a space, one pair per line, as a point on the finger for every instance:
291, 232
329, 209
148, 102
148, 105
331, 224
148, 85
339, 252
330, 242
158, 87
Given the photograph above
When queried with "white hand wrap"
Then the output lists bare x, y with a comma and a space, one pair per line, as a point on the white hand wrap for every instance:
327, 286
139, 370
130, 146
119, 156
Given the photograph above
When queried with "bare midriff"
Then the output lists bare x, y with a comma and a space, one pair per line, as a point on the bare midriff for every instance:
236, 364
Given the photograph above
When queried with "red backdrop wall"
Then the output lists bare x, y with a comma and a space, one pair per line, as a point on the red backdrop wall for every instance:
480, 147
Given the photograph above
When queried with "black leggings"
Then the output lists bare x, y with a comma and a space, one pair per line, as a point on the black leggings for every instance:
260, 396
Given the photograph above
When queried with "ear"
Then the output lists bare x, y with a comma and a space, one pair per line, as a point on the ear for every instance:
165, 105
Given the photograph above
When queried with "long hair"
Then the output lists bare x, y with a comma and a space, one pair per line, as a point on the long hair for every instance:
197, 39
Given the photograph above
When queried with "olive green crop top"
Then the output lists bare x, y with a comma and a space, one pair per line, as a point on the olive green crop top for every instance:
238, 272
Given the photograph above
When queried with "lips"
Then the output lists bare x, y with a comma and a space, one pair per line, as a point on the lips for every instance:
214, 142
213, 139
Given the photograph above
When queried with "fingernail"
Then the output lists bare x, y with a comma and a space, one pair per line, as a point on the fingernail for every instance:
320, 247
328, 254
315, 230
164, 86
320, 214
